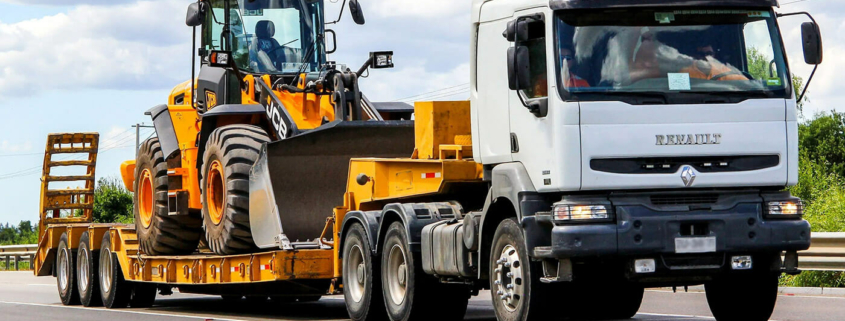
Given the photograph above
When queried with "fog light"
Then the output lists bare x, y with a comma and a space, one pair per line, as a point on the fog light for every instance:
785, 208
644, 266
742, 262
580, 212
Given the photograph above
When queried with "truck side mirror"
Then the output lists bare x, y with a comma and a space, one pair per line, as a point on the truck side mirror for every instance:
812, 39
518, 68
357, 12
516, 31
196, 14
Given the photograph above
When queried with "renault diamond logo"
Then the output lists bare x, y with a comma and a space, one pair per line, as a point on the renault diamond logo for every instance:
688, 175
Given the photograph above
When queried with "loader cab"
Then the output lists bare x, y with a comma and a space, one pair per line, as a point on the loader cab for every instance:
280, 38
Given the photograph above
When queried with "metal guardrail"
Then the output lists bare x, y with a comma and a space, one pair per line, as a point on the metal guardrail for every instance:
15, 254
826, 254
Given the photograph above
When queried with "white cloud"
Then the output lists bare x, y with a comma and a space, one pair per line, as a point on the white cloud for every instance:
142, 45
416, 79
65, 2
417, 8
7, 147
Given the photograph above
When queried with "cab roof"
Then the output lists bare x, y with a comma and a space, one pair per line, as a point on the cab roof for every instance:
597, 4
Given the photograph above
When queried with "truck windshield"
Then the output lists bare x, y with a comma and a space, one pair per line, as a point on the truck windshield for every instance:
276, 36
677, 56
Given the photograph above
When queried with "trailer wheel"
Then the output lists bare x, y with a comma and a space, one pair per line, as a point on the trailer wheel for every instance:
158, 232
114, 290
229, 155
514, 280
143, 295
87, 262
66, 272
746, 297
361, 283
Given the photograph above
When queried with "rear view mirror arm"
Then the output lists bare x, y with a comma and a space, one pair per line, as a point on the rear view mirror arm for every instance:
809, 80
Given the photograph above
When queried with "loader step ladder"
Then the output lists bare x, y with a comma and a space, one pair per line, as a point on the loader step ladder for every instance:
77, 153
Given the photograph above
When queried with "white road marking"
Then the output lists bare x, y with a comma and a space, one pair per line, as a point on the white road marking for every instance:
677, 315
118, 311
52, 285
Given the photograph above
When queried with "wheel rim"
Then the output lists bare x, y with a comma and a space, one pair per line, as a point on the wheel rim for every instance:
509, 283
63, 269
355, 271
215, 187
82, 269
397, 274
105, 269
145, 195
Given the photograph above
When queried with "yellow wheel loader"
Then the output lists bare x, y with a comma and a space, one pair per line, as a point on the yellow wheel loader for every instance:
264, 78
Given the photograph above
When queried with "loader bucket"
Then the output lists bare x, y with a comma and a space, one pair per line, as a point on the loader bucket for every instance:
308, 174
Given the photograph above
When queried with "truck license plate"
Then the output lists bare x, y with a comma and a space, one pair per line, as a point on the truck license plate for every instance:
695, 244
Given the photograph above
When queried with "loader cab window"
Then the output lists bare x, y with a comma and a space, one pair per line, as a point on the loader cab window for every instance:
268, 36
675, 56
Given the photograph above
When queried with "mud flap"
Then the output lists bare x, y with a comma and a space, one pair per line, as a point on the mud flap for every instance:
307, 175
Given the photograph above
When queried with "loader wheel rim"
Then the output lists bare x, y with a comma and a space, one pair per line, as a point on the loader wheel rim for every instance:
355, 266
216, 188
397, 274
145, 201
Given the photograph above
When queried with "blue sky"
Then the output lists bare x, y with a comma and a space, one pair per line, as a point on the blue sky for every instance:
97, 65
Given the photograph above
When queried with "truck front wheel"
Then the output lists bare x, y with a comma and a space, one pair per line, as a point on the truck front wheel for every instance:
514, 279
746, 297
229, 155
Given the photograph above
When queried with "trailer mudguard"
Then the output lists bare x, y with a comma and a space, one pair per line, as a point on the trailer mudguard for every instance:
369, 220
164, 130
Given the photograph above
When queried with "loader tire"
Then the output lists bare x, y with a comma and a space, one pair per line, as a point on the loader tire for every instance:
158, 232
229, 155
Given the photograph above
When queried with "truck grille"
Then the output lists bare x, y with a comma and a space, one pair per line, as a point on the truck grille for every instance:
695, 199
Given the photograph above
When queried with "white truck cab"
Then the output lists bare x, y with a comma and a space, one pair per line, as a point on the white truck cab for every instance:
638, 143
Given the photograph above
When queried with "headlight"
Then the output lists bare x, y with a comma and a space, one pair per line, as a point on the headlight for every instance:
570, 213
785, 209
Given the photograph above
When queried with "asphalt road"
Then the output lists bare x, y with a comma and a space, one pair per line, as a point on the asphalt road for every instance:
25, 297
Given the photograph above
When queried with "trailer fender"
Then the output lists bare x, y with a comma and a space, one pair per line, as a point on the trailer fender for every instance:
210, 123
369, 220
164, 130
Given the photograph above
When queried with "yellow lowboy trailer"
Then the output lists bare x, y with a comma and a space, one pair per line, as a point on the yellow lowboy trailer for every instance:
97, 263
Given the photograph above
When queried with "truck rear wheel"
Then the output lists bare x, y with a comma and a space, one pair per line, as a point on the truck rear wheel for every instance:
87, 262
158, 232
361, 283
229, 155
409, 293
66, 272
514, 280
114, 290
746, 297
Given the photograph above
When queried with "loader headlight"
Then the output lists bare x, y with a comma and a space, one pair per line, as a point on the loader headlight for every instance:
784, 209
382, 59
219, 58
573, 213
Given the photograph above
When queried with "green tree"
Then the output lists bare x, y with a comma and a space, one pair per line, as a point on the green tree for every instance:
822, 141
112, 202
